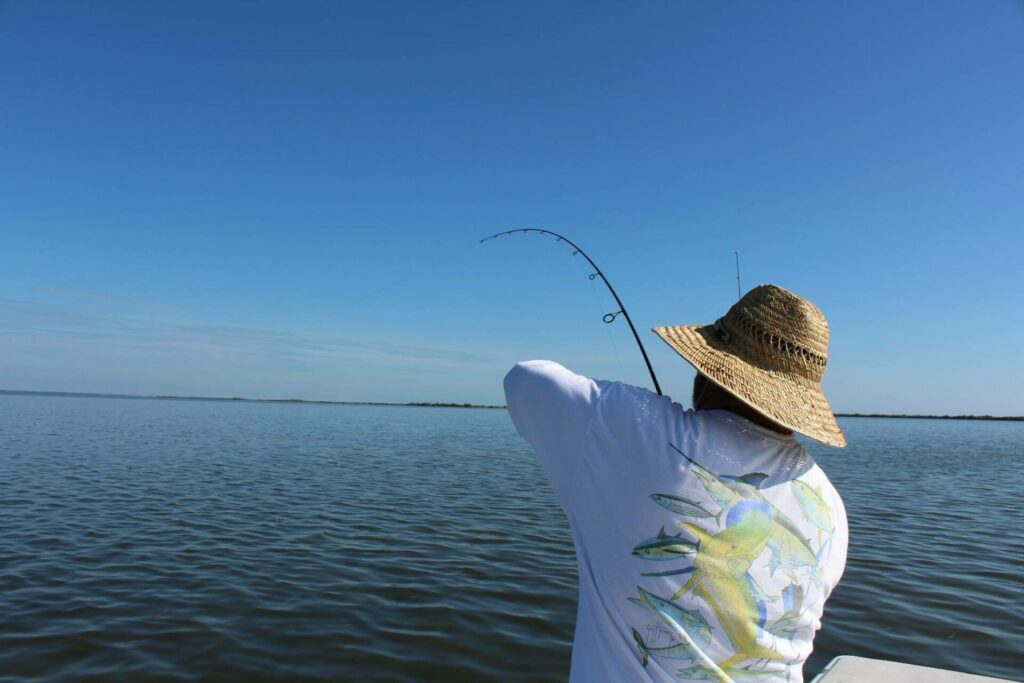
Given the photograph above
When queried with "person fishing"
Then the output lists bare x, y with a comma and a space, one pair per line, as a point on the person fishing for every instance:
707, 540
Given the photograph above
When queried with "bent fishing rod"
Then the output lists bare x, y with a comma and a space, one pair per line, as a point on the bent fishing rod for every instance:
608, 317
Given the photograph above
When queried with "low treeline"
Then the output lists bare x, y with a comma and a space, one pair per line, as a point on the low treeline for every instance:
1011, 418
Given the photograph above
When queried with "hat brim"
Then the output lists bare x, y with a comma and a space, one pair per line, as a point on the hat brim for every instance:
792, 401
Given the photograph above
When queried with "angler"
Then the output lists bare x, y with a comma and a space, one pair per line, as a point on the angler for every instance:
747, 496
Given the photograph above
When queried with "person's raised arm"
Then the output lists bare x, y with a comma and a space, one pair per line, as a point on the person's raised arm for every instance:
552, 408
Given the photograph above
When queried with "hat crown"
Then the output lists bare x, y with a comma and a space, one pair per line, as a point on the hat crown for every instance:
777, 330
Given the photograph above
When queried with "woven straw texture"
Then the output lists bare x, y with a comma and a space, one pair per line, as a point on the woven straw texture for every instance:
770, 351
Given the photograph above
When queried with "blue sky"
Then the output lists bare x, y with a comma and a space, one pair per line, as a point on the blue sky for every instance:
285, 199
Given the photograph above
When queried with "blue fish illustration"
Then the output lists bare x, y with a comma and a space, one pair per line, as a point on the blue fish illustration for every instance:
683, 506
665, 547
691, 623
671, 572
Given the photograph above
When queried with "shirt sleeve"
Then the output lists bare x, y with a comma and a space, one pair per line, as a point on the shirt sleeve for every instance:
840, 543
551, 407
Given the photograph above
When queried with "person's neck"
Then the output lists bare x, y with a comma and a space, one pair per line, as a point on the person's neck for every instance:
744, 411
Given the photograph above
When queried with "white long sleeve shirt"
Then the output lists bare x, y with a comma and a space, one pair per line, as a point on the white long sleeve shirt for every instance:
707, 545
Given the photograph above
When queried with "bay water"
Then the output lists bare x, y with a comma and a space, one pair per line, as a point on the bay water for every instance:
220, 540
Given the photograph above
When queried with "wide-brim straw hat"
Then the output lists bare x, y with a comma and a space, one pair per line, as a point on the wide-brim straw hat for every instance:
769, 351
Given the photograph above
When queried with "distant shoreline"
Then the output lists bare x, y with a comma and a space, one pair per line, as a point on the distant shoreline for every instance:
424, 404
1008, 418
238, 399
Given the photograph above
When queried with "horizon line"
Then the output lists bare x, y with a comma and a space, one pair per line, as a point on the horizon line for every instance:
167, 397
430, 404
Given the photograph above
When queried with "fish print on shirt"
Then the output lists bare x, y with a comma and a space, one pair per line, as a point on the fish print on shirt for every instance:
718, 574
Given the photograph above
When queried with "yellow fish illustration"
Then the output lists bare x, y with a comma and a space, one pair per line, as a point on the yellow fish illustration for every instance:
720, 577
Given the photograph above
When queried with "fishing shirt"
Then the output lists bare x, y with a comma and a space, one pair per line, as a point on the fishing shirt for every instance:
706, 544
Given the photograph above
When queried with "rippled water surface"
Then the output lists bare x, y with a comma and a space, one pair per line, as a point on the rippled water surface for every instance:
247, 541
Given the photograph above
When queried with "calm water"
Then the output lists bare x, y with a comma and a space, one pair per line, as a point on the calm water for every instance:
191, 540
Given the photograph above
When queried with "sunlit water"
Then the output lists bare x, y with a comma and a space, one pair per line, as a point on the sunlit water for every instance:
246, 541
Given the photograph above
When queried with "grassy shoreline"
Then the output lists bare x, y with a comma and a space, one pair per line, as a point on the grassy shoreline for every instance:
424, 404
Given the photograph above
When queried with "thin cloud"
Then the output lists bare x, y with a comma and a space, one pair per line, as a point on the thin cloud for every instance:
163, 339
107, 297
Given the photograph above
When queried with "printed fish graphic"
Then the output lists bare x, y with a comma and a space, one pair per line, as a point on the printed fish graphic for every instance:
681, 650
721, 580
683, 506
788, 546
672, 572
703, 673
688, 625
730, 675
789, 623
724, 489
790, 554
813, 506
665, 547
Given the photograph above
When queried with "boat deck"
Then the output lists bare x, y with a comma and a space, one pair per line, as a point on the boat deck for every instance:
848, 669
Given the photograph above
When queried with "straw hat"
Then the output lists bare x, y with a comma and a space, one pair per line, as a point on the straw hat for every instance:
769, 351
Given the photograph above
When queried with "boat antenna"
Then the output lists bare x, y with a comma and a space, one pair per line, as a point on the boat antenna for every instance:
608, 317
739, 292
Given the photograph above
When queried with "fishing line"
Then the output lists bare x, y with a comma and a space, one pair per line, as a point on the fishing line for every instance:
608, 317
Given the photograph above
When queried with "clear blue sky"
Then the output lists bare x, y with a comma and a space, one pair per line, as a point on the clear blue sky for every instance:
284, 199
